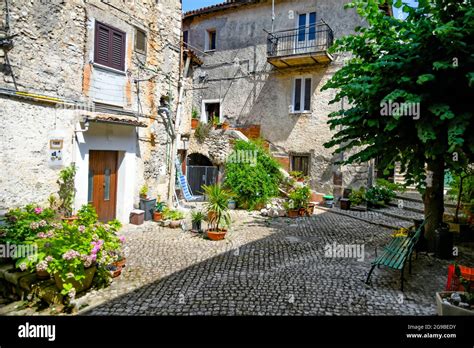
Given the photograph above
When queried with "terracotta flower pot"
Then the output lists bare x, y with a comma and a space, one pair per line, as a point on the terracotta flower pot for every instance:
310, 209
157, 216
194, 123
120, 263
81, 285
302, 212
216, 235
115, 273
293, 213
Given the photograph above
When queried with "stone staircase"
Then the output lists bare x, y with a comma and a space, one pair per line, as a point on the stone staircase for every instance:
409, 205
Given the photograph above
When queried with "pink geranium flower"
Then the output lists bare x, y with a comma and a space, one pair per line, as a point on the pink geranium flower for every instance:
38, 210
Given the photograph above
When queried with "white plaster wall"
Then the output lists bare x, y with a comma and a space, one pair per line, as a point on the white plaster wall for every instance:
109, 138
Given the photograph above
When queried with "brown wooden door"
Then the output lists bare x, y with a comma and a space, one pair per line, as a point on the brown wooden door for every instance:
102, 193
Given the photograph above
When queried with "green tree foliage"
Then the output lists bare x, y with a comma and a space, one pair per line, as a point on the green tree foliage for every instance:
427, 60
253, 175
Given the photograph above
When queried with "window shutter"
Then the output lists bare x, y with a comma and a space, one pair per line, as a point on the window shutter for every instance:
117, 58
109, 47
102, 45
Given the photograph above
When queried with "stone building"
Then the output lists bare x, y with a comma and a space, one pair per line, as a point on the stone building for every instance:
81, 82
265, 72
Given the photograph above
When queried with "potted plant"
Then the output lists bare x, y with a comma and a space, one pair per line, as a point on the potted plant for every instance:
298, 176
67, 193
225, 125
196, 218
174, 216
300, 197
144, 192
292, 212
218, 199
456, 302
194, 119
215, 122
357, 198
158, 213
232, 204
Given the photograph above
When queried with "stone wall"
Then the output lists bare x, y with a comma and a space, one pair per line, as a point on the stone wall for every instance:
53, 56
254, 92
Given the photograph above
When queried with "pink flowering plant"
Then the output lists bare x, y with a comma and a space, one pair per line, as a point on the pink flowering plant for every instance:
83, 244
24, 224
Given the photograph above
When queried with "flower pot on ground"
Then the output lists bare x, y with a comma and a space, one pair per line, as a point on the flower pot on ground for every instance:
218, 200
174, 216
157, 216
79, 285
114, 270
454, 303
158, 213
196, 218
121, 262
302, 212
310, 209
213, 234
293, 213
232, 204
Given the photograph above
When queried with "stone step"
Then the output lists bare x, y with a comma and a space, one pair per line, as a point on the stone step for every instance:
416, 197
397, 213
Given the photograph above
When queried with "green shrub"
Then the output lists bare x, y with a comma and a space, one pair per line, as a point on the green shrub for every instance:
390, 185
357, 197
253, 182
378, 196
202, 131
169, 214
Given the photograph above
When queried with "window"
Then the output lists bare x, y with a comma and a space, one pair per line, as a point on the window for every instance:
302, 94
185, 38
300, 163
211, 39
307, 27
140, 41
109, 46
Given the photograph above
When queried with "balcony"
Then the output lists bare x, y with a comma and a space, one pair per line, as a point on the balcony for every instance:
303, 46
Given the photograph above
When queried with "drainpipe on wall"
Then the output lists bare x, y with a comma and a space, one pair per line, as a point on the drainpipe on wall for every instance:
174, 145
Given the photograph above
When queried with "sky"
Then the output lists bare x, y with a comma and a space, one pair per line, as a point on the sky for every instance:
189, 5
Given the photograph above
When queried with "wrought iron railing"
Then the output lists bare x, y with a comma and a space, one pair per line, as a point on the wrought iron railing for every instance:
303, 40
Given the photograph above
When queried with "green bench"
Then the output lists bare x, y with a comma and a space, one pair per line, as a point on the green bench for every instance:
396, 253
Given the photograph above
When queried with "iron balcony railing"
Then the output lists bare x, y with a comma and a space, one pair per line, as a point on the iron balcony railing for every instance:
302, 40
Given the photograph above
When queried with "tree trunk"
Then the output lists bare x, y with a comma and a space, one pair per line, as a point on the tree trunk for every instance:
434, 200
456, 215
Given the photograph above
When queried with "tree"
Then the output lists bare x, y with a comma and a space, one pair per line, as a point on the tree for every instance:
421, 67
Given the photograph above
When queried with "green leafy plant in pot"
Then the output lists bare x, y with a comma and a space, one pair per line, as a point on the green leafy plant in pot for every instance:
196, 218
218, 210
158, 213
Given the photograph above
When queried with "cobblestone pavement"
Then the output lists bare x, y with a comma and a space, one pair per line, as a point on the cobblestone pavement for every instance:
265, 267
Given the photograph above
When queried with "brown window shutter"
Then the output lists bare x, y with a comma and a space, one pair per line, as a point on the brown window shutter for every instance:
109, 47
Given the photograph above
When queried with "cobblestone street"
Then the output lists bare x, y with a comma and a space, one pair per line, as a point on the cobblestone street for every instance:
264, 267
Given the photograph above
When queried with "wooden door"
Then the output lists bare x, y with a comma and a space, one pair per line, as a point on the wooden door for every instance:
102, 191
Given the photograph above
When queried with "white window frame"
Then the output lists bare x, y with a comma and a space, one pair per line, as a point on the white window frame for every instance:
207, 43
303, 95
203, 109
